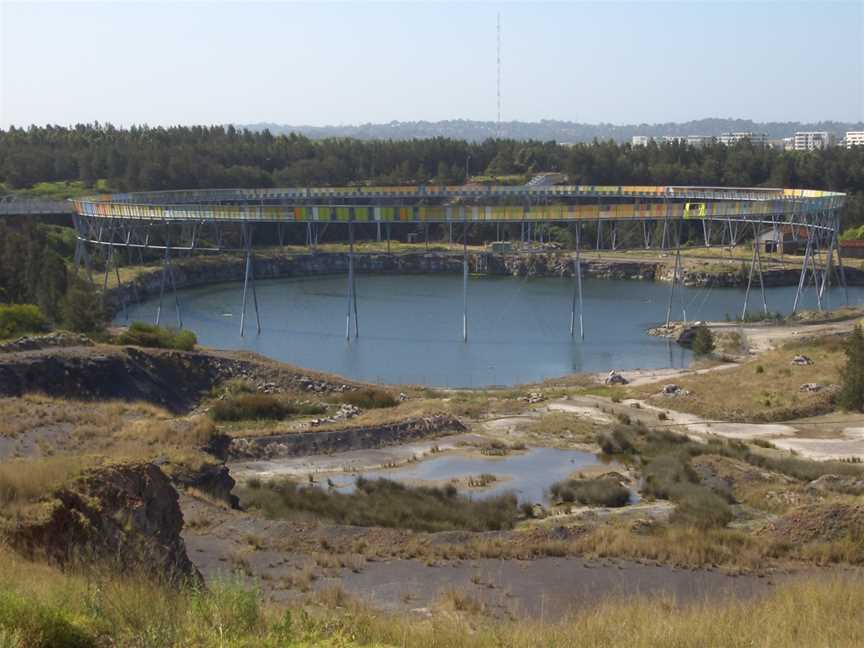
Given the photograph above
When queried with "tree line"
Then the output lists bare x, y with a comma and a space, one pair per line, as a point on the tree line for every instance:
144, 158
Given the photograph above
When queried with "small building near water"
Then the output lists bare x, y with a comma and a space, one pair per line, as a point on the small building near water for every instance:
785, 239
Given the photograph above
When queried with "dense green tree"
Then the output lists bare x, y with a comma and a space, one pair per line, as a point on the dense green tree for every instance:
703, 341
82, 307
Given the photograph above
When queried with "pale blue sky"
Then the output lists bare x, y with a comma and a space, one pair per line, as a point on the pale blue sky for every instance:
327, 63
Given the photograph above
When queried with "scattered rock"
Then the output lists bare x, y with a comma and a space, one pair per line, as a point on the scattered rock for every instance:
52, 340
801, 360
345, 412
538, 512
533, 397
818, 523
837, 484
811, 387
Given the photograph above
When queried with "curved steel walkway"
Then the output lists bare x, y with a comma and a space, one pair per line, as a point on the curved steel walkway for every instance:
215, 220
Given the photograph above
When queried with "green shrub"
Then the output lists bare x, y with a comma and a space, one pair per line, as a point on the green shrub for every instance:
605, 491
369, 398
617, 441
702, 508
18, 319
386, 503
82, 307
257, 407
703, 341
157, 337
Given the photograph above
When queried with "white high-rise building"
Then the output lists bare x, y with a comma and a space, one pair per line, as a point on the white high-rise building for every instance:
813, 140
754, 138
640, 140
854, 138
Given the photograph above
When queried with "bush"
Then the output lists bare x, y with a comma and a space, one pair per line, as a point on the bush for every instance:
615, 442
369, 398
703, 341
701, 508
257, 407
157, 337
605, 491
82, 307
18, 319
386, 503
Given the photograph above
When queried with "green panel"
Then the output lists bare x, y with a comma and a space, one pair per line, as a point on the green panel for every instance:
342, 213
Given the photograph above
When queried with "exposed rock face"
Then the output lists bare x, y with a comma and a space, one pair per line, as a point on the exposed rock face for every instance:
127, 515
302, 444
175, 380
200, 271
195, 271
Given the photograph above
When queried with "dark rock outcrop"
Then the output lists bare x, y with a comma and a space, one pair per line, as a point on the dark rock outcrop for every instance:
175, 380
127, 516
214, 480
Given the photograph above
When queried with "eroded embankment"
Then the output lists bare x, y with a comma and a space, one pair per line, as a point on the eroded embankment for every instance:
353, 438
176, 380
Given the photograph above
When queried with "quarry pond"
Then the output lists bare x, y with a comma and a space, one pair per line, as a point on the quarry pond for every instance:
411, 325
527, 474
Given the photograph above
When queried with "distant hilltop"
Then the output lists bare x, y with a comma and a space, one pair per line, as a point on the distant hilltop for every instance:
549, 129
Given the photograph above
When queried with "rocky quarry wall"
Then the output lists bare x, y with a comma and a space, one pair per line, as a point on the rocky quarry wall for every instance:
196, 271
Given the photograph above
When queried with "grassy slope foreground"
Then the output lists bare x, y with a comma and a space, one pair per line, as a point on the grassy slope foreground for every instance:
42, 607
707, 503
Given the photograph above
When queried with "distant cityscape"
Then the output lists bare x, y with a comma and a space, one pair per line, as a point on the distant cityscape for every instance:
800, 141
696, 132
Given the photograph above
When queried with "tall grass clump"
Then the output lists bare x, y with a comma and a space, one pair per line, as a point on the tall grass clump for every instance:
157, 337
369, 398
605, 491
259, 407
18, 319
385, 503
23, 480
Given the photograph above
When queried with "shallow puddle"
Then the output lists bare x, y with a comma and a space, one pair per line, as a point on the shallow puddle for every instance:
527, 474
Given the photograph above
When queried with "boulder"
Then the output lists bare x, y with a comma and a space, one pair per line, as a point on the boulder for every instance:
811, 387
801, 360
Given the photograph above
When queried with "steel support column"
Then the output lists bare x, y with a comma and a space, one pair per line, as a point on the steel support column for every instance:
464, 280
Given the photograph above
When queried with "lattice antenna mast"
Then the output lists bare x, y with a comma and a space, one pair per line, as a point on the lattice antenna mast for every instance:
498, 130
